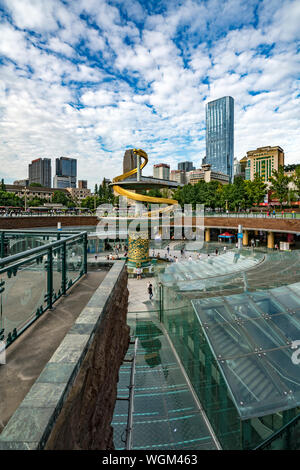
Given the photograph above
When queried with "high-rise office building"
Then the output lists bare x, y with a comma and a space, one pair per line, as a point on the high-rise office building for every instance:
39, 171
161, 171
186, 166
66, 173
82, 184
220, 135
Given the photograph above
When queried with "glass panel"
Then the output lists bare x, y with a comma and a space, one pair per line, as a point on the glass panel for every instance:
74, 250
23, 295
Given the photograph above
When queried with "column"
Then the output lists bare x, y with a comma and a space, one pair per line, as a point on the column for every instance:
245, 238
270, 240
207, 234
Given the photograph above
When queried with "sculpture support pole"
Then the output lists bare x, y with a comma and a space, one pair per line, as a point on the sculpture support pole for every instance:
138, 164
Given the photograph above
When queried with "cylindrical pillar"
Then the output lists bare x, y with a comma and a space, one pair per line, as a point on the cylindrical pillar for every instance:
138, 164
207, 234
245, 238
270, 239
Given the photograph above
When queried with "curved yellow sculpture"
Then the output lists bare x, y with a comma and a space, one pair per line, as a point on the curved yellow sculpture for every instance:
136, 196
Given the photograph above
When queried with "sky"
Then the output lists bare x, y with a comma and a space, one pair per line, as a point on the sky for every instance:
90, 78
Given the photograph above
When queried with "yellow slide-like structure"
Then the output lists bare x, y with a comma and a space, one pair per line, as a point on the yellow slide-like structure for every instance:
136, 196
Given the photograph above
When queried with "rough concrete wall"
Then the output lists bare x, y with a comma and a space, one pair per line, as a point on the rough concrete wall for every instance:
84, 422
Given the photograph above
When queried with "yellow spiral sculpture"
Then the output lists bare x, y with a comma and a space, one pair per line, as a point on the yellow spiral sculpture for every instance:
137, 196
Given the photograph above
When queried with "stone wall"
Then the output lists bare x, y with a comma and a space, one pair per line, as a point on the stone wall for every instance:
84, 422
7, 223
71, 404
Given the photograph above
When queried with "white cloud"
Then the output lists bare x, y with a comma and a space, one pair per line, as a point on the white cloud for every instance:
91, 89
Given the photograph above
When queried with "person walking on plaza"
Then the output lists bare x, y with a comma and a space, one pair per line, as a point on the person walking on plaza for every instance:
150, 291
138, 273
217, 251
168, 249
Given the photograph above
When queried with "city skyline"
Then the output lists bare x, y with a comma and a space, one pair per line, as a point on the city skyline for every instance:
91, 79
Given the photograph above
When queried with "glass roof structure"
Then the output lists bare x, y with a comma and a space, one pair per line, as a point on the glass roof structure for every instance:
250, 336
212, 266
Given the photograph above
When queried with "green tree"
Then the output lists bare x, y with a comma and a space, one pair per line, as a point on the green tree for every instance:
96, 189
296, 180
36, 185
280, 184
2, 185
59, 197
9, 199
256, 190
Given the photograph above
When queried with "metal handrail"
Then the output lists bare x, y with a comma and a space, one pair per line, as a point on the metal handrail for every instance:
40, 249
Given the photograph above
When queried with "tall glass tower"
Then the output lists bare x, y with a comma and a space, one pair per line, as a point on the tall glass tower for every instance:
219, 135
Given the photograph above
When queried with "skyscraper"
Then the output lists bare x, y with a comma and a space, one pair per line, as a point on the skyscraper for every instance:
66, 173
39, 171
220, 135
161, 171
186, 166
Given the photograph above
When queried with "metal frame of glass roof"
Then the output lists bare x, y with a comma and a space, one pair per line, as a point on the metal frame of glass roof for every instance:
250, 336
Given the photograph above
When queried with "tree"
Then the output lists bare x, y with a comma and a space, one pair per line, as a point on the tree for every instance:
96, 189
36, 185
256, 190
2, 185
280, 184
9, 199
59, 197
296, 180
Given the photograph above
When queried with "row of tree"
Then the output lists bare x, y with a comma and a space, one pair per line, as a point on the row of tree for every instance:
240, 194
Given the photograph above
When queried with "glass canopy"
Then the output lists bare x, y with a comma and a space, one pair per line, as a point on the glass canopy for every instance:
250, 336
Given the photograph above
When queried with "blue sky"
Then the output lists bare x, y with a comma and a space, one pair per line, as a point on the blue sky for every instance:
90, 78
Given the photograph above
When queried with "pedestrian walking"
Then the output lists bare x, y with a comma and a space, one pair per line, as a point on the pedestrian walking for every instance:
138, 273
150, 291
168, 249
95, 257
217, 251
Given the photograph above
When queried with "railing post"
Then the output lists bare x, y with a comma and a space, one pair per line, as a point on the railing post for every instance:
63, 268
50, 277
85, 246
2, 244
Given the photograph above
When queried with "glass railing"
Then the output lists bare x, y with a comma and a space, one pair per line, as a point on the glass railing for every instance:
33, 280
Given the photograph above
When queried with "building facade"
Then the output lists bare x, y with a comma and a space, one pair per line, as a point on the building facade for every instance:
207, 174
179, 176
21, 182
65, 168
77, 194
186, 166
161, 171
82, 184
39, 171
263, 161
62, 182
220, 135
32, 192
